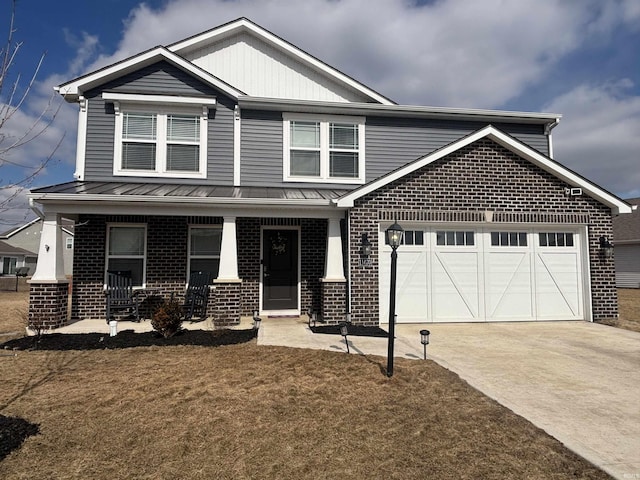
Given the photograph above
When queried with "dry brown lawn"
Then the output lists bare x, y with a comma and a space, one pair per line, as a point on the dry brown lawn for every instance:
243, 411
13, 308
629, 305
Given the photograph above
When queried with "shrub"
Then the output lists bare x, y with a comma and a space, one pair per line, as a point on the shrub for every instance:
167, 319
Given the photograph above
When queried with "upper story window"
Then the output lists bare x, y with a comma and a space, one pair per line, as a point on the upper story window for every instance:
159, 135
323, 149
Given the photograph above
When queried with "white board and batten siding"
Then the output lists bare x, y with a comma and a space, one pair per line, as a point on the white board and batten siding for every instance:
260, 70
474, 279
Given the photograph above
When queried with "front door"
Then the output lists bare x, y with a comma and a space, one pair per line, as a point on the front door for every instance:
280, 270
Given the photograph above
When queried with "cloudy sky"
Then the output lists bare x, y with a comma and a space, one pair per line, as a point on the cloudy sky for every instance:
579, 58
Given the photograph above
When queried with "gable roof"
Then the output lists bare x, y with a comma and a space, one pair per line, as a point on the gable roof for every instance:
10, 233
626, 228
6, 249
73, 89
244, 25
616, 204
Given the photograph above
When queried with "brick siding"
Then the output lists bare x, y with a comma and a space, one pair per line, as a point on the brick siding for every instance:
48, 305
482, 176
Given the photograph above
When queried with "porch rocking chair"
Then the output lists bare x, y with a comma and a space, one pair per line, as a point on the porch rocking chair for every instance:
197, 295
120, 294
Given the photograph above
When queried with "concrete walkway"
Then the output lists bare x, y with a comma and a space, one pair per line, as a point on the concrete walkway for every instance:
578, 381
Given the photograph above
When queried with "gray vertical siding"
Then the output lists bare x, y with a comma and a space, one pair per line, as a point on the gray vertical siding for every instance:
160, 78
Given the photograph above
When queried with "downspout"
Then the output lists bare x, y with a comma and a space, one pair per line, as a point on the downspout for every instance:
547, 131
36, 210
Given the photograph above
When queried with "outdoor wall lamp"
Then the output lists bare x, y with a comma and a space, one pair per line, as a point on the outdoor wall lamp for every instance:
394, 238
365, 245
606, 247
424, 340
344, 331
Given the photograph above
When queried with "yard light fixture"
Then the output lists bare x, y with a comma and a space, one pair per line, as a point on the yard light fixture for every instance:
344, 331
313, 318
424, 340
394, 239
256, 320
606, 247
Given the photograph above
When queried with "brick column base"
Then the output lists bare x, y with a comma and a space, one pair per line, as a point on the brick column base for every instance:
333, 302
225, 308
48, 305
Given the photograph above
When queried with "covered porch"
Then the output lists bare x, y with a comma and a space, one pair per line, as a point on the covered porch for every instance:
279, 252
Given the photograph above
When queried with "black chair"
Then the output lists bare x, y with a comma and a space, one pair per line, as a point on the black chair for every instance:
197, 295
120, 294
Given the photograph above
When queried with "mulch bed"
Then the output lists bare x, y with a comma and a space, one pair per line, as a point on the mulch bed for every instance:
355, 330
128, 339
14, 431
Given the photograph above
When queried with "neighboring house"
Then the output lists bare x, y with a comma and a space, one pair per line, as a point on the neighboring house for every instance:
235, 152
27, 237
12, 258
626, 236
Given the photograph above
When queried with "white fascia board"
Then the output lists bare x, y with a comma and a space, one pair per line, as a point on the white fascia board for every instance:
617, 205
244, 24
159, 99
73, 89
11, 233
404, 111
115, 205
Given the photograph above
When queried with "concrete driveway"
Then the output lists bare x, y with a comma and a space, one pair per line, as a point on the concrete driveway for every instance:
578, 381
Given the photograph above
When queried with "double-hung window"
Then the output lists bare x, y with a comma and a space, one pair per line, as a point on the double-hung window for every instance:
126, 250
204, 249
160, 135
323, 149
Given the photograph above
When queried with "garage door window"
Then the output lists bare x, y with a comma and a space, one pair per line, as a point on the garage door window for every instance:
556, 239
508, 239
410, 237
455, 238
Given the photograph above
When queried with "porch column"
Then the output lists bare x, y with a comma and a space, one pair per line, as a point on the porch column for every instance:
228, 270
225, 309
50, 266
49, 288
333, 284
334, 266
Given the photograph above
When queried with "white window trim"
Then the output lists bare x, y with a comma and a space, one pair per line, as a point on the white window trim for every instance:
190, 256
144, 257
162, 111
324, 120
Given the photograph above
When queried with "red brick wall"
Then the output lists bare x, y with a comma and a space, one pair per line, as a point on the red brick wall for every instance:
482, 176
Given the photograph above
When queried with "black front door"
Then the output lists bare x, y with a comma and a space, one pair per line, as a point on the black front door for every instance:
280, 269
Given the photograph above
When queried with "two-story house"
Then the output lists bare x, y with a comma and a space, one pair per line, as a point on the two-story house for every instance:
235, 152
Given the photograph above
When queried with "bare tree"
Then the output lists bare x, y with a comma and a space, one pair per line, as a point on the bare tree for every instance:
13, 98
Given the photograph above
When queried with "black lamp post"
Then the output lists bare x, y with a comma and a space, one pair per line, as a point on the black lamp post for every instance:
394, 239
424, 340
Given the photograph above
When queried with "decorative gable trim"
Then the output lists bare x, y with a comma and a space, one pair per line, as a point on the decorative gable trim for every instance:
73, 89
616, 204
245, 25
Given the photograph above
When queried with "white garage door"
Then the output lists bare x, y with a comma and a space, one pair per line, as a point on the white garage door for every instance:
481, 274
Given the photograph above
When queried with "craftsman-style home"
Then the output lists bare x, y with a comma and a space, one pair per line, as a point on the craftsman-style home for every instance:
236, 153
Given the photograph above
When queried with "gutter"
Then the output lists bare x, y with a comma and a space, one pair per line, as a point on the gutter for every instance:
547, 131
35, 209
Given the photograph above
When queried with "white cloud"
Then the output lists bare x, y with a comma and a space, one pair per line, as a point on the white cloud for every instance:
456, 53
598, 135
